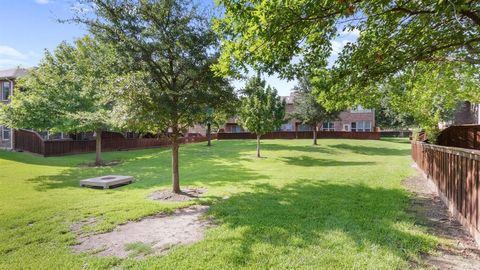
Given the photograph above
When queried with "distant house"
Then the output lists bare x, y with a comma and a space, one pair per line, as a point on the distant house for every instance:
352, 120
7, 89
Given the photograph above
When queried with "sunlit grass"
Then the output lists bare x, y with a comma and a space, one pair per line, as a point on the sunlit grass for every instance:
337, 205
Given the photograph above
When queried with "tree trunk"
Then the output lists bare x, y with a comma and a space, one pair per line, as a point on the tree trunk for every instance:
209, 134
175, 172
314, 135
258, 146
98, 147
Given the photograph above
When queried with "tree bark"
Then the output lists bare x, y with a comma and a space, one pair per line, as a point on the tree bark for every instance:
258, 146
175, 172
315, 135
98, 147
209, 134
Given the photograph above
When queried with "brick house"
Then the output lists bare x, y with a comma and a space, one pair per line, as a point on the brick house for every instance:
7, 89
357, 119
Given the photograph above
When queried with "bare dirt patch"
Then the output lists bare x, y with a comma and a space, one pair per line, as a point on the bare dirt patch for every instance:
463, 253
78, 226
185, 195
151, 235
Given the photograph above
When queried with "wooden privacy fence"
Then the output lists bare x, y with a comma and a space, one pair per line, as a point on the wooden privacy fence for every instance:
467, 136
302, 135
30, 141
396, 133
456, 175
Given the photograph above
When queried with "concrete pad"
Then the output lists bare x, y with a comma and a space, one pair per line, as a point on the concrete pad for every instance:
107, 181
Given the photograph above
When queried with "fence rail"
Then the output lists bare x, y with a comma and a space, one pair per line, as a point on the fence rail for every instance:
396, 133
456, 175
467, 136
30, 141
302, 135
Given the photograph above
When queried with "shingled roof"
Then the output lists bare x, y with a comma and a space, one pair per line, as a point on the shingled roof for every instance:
13, 73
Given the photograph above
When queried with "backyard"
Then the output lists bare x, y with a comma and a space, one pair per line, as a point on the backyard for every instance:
339, 205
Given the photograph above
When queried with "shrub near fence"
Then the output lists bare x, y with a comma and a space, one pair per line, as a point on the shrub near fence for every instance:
456, 175
302, 135
467, 136
30, 141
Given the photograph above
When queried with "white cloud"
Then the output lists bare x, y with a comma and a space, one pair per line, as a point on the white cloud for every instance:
350, 33
42, 2
337, 46
11, 57
11, 53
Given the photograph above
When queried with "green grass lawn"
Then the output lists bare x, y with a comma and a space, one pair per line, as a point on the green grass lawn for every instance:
336, 205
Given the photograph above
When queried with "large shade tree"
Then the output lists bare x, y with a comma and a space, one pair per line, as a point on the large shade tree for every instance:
68, 92
431, 93
261, 110
170, 49
294, 37
308, 110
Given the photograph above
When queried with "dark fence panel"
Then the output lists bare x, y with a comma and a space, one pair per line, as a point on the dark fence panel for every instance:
456, 175
467, 136
303, 135
30, 141
396, 133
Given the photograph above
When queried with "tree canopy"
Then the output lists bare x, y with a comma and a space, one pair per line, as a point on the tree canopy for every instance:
262, 110
68, 92
168, 47
430, 93
307, 109
295, 37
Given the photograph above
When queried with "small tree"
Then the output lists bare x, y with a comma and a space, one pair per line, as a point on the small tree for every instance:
262, 110
68, 92
308, 110
169, 48
216, 117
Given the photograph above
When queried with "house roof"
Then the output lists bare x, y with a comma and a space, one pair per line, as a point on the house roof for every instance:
13, 73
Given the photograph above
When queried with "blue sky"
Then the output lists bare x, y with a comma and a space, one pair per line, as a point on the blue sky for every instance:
30, 26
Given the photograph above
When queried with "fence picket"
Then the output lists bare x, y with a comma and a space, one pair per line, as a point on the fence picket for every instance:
455, 172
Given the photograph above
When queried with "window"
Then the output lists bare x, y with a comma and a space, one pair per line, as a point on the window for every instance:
5, 133
56, 136
287, 127
303, 127
328, 126
235, 129
360, 109
364, 126
5, 90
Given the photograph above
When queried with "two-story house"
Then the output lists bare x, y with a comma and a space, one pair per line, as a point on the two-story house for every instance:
7, 89
355, 120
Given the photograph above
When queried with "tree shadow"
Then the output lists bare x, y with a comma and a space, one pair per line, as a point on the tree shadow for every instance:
34, 159
372, 151
198, 166
361, 220
396, 140
300, 148
307, 161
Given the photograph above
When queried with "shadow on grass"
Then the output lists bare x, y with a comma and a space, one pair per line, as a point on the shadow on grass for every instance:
199, 165
269, 146
372, 151
342, 220
307, 161
396, 140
